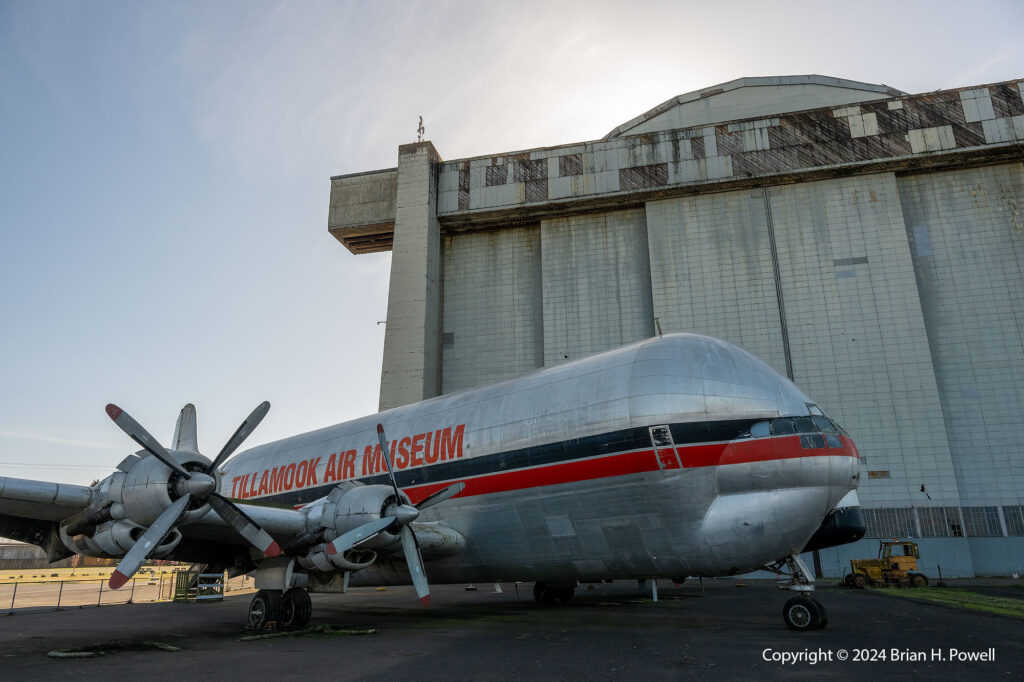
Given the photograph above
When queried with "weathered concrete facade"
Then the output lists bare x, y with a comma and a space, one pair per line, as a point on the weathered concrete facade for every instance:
866, 242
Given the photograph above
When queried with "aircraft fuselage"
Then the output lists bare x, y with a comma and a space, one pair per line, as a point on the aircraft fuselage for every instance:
680, 455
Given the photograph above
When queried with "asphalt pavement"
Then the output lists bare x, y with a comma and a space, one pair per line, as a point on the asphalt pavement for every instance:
610, 632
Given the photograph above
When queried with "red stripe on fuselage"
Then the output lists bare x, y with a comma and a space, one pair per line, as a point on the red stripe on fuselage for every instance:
638, 461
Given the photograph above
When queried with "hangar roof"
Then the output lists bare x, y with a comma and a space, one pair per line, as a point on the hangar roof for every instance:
750, 97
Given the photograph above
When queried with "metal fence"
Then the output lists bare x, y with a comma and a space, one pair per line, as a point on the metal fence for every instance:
84, 592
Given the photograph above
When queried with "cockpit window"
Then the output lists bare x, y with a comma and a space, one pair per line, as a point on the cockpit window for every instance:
805, 425
781, 427
812, 440
761, 429
833, 440
824, 424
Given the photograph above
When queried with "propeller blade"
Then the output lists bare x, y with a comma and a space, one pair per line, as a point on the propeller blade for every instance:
185, 430
138, 434
240, 434
246, 527
441, 495
411, 549
387, 460
357, 535
145, 545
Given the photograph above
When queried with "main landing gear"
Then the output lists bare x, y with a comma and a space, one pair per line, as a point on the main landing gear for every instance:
287, 610
801, 612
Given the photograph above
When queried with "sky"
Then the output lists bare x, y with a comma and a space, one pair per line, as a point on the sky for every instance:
165, 175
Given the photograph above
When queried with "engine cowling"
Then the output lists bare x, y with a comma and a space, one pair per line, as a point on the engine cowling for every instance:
349, 506
114, 539
357, 506
148, 487
129, 501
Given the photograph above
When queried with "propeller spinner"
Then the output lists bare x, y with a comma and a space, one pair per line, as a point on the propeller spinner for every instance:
399, 515
199, 486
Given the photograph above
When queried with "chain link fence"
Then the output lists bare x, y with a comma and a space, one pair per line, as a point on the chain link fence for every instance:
58, 592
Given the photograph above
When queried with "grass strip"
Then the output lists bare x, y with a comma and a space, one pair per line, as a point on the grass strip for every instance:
959, 598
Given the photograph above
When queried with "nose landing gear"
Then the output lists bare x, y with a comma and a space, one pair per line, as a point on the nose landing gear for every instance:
801, 612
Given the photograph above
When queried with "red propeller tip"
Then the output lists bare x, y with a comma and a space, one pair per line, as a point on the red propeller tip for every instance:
380, 428
113, 411
117, 579
425, 600
330, 549
273, 550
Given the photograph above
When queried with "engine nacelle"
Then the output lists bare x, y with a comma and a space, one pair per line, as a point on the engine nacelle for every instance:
350, 508
115, 539
349, 560
144, 487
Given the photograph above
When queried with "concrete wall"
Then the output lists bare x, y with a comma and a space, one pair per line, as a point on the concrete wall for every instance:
493, 323
412, 362
967, 232
856, 330
597, 283
363, 208
711, 270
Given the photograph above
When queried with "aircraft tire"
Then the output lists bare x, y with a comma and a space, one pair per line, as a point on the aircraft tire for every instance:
804, 614
296, 609
265, 608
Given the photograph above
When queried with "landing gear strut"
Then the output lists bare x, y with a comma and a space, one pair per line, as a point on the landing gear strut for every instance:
284, 610
801, 612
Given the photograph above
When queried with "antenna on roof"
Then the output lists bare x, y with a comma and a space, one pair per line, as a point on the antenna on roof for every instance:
420, 131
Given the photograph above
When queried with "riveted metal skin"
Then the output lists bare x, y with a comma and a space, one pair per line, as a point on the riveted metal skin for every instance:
613, 466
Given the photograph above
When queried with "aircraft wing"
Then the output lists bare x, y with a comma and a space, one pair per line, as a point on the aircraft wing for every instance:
42, 500
31, 511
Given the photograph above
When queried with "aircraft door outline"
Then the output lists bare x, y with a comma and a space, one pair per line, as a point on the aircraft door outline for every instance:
664, 447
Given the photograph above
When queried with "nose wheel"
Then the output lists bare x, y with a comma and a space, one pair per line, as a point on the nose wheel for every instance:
802, 612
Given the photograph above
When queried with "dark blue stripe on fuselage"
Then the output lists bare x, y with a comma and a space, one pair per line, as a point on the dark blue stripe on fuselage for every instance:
613, 442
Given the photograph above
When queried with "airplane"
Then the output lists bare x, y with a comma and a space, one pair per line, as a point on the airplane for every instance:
680, 455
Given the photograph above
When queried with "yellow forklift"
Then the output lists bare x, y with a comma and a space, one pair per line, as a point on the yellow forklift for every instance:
896, 565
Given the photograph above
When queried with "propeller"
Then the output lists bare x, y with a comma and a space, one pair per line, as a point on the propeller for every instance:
199, 486
399, 516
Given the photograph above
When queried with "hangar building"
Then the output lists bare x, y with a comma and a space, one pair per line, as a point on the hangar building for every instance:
865, 242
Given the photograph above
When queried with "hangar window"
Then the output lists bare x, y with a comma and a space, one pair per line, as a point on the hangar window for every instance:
940, 522
889, 523
981, 521
1014, 517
